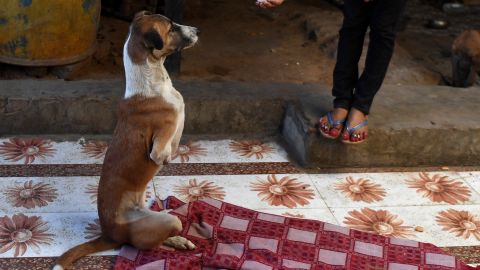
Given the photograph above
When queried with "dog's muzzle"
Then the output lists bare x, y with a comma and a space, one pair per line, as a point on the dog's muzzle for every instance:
189, 37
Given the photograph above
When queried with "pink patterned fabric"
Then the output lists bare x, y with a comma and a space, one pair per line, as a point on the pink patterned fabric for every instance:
240, 238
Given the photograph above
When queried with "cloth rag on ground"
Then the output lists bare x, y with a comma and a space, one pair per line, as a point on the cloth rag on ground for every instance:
233, 237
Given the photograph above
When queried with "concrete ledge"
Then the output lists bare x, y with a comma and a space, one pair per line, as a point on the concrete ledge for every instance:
409, 126
60, 107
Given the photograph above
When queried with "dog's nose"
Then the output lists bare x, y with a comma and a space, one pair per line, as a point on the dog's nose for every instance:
197, 31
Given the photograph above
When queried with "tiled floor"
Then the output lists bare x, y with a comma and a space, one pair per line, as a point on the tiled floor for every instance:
50, 205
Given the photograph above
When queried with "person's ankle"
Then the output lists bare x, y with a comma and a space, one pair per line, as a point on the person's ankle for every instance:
356, 113
341, 112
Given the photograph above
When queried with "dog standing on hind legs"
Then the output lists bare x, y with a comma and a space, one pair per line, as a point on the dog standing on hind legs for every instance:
149, 127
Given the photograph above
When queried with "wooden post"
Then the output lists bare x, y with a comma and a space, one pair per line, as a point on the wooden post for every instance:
174, 10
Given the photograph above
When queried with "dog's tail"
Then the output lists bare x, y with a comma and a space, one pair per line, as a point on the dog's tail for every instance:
75, 253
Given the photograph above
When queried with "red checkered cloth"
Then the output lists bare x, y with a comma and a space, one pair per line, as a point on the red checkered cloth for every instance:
240, 238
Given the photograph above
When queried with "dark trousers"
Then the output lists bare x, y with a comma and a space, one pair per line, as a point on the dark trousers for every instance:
382, 17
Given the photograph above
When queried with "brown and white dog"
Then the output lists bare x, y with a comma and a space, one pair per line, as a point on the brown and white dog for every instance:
149, 127
466, 58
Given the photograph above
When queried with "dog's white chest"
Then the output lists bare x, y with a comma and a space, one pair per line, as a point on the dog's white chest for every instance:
173, 97
149, 79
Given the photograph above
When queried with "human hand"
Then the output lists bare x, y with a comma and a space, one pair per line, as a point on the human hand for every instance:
268, 3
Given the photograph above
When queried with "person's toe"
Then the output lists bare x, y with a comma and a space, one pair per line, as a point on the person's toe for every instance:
324, 124
334, 132
358, 137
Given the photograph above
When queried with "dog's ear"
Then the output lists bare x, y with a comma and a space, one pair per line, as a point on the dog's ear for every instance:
142, 13
153, 40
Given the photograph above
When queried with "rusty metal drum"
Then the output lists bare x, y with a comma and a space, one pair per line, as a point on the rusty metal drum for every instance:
47, 32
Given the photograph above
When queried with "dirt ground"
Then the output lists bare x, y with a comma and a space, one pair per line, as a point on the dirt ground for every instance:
295, 42
242, 42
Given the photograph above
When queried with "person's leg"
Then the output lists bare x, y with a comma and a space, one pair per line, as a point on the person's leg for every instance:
350, 46
383, 24
345, 75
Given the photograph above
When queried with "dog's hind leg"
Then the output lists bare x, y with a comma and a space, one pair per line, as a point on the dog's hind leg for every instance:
150, 229
179, 242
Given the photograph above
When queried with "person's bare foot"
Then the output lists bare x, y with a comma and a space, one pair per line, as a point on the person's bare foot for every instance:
355, 118
333, 131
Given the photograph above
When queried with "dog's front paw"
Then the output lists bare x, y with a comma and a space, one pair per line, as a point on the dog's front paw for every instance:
161, 157
179, 242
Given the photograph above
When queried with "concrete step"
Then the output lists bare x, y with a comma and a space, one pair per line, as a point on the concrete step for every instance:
409, 125
76, 107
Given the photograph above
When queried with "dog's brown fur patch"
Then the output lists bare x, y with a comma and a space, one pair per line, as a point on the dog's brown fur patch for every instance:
466, 58
468, 42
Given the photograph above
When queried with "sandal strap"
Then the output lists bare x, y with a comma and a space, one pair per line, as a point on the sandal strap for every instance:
333, 123
351, 130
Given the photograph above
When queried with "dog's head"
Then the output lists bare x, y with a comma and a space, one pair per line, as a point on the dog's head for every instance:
155, 36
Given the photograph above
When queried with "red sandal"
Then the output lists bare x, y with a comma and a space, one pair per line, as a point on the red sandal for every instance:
330, 131
348, 134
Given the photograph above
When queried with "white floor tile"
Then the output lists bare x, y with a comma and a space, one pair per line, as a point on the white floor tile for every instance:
64, 230
473, 179
52, 194
388, 189
425, 217
320, 214
86, 152
68, 152
221, 152
47, 194
237, 189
